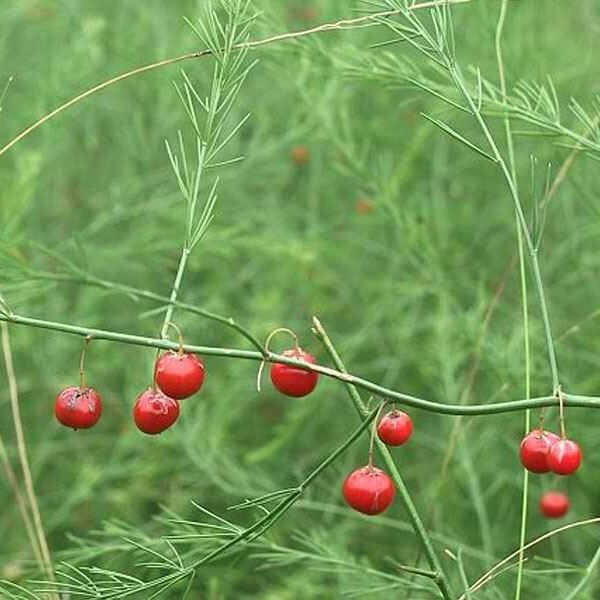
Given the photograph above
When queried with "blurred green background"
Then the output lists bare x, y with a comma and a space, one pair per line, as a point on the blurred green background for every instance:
394, 234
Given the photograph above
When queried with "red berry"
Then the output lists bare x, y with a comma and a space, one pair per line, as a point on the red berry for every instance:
179, 375
369, 490
300, 155
293, 381
79, 408
395, 428
564, 457
554, 505
535, 448
154, 412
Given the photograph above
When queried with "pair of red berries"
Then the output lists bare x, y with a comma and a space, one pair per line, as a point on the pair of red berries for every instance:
554, 505
178, 375
370, 490
543, 451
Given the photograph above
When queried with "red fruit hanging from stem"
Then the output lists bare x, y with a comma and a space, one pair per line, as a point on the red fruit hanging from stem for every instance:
294, 381
395, 428
564, 457
79, 408
154, 412
535, 448
179, 374
369, 490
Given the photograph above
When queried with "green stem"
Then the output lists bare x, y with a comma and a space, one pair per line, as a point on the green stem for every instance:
570, 400
546, 319
586, 578
259, 527
185, 254
522, 221
524, 296
441, 580
86, 279
525, 493
269, 519
463, 575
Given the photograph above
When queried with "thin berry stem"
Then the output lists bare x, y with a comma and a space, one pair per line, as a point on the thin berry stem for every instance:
281, 330
266, 349
86, 343
373, 433
154, 366
180, 351
561, 413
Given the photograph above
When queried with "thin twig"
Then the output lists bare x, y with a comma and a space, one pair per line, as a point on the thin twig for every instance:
21, 504
22, 449
338, 25
486, 577
586, 578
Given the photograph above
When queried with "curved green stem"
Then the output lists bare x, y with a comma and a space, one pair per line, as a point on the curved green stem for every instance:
570, 400
85, 279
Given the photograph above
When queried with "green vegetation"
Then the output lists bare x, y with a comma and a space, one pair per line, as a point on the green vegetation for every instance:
398, 231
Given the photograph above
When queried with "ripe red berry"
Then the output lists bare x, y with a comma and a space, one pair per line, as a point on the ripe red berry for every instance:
395, 428
293, 381
154, 412
179, 375
535, 448
564, 457
554, 505
369, 490
79, 408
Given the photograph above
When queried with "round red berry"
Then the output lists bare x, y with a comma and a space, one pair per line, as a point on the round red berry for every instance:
369, 490
300, 155
564, 457
535, 448
395, 428
179, 375
554, 505
154, 412
79, 408
293, 381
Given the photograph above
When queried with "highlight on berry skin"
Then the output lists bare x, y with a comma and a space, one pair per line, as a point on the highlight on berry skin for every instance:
565, 457
78, 408
554, 504
369, 490
294, 381
395, 428
535, 448
154, 412
179, 375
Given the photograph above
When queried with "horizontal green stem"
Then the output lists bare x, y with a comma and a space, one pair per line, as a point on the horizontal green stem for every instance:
571, 400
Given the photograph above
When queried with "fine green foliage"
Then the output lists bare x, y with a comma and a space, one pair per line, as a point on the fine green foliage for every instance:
443, 229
